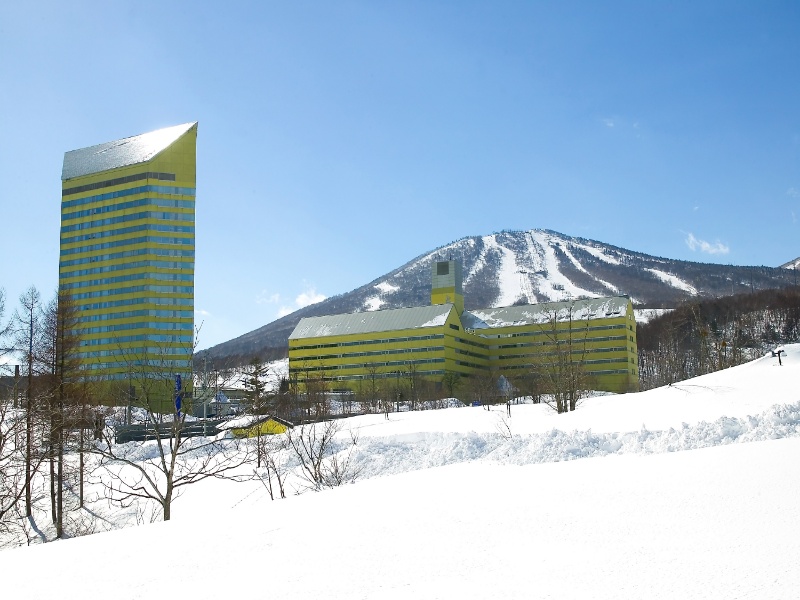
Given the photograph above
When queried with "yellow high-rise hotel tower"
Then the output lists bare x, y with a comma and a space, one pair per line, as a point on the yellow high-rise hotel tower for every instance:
127, 251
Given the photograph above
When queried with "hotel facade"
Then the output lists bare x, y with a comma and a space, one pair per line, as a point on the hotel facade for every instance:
443, 339
127, 252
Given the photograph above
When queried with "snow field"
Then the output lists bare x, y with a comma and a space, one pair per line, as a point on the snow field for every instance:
468, 503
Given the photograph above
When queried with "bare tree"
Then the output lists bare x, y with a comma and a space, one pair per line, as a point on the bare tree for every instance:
373, 387
560, 365
293, 394
157, 469
5, 327
27, 332
324, 462
451, 382
529, 384
395, 389
317, 393
12, 431
414, 385
13, 465
38, 434
482, 388
275, 448
63, 391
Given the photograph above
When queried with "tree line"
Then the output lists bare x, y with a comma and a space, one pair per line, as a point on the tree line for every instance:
58, 424
44, 412
707, 335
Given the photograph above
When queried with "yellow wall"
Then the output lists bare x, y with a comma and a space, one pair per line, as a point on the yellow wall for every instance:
606, 346
511, 350
388, 354
269, 427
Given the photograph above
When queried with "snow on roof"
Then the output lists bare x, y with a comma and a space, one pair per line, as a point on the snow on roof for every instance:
471, 321
373, 303
577, 310
243, 422
246, 421
436, 316
372, 322
120, 153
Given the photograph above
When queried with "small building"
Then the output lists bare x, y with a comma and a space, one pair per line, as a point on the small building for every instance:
250, 426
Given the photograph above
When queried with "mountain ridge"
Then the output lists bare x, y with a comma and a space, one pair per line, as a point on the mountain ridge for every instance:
522, 267
792, 264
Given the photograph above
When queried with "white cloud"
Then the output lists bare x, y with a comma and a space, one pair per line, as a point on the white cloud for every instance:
608, 122
793, 192
202, 313
704, 246
264, 297
309, 296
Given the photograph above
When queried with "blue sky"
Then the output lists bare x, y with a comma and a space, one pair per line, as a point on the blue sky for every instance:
338, 140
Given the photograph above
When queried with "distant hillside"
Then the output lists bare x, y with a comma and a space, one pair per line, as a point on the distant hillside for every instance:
707, 335
511, 267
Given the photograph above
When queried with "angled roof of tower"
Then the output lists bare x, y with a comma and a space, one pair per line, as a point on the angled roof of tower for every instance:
372, 322
120, 153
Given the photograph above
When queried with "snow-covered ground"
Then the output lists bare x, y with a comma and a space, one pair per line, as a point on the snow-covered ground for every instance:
688, 491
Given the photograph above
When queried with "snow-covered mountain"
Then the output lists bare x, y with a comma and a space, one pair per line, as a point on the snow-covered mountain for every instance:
792, 264
511, 267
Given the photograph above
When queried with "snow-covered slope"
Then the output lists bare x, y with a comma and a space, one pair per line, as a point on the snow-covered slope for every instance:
672, 505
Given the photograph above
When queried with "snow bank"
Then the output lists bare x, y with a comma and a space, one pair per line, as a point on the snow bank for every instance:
389, 455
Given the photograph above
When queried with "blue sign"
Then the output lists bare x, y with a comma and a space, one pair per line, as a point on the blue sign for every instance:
178, 395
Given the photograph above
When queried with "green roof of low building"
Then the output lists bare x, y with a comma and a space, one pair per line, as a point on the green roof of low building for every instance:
120, 153
372, 322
